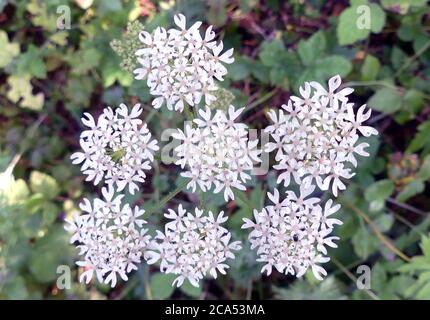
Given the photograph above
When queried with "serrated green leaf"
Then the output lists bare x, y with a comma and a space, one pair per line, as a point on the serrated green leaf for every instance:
421, 138
45, 258
31, 62
311, 49
386, 100
411, 189
364, 242
357, 21
271, 52
20, 89
380, 190
9, 50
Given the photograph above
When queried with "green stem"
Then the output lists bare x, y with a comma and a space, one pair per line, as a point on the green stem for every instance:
262, 99
379, 83
132, 283
167, 198
150, 115
26, 143
249, 289
242, 197
408, 62
370, 293
370, 83
188, 113
202, 199
148, 292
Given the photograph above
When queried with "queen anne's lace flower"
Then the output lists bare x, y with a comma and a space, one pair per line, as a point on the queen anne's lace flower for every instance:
118, 148
217, 152
316, 137
192, 246
180, 66
292, 234
110, 236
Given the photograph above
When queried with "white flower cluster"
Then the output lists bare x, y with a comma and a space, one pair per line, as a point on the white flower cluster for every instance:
117, 148
110, 236
192, 246
180, 66
292, 234
316, 137
217, 152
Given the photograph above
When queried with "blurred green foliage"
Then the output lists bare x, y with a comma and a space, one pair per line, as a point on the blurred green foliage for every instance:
49, 77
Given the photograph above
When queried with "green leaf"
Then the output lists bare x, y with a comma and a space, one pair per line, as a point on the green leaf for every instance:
42, 183
328, 289
108, 6
240, 69
78, 92
421, 138
419, 265
40, 17
12, 191
8, 51
260, 72
84, 61
161, 285
20, 88
378, 277
411, 189
424, 172
402, 6
271, 52
325, 68
386, 100
333, 65
413, 100
370, 68
378, 192
31, 62
356, 22
190, 290
46, 257
425, 246
384, 222
364, 242
15, 288
311, 49
111, 72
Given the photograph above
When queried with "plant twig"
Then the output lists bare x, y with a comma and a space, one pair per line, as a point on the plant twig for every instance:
249, 289
370, 293
148, 292
262, 99
167, 198
378, 233
408, 207
408, 62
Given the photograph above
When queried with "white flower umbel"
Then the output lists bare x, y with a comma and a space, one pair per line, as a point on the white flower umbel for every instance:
192, 246
180, 66
110, 236
315, 136
117, 148
217, 152
292, 234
